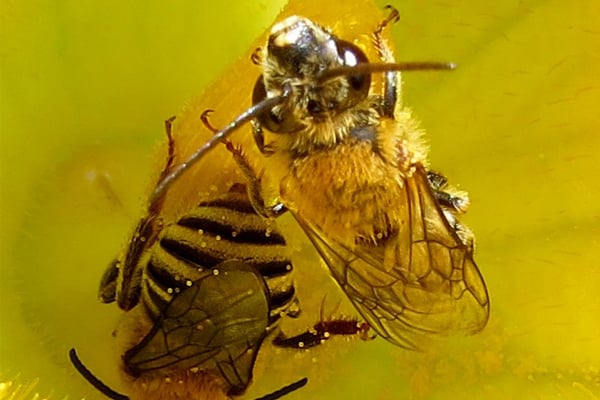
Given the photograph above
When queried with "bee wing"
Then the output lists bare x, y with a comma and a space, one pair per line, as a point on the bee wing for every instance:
219, 322
415, 285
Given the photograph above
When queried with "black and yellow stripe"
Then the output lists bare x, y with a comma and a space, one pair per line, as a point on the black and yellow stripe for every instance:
221, 229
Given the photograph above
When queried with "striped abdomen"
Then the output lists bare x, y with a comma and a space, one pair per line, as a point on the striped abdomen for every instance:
221, 229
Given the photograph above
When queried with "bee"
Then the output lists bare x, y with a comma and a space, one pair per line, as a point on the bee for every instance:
200, 295
349, 161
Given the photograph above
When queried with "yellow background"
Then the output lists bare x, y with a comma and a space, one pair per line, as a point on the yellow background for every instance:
86, 85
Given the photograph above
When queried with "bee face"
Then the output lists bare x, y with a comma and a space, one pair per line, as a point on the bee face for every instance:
298, 54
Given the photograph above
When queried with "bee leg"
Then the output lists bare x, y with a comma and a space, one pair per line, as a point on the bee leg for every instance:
456, 203
303, 340
146, 232
259, 139
170, 149
322, 331
436, 180
155, 204
254, 186
256, 56
257, 132
343, 327
365, 333
393, 17
204, 117
453, 201
390, 94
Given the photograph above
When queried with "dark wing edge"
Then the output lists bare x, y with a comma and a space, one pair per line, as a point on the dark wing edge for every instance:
218, 323
415, 286
107, 292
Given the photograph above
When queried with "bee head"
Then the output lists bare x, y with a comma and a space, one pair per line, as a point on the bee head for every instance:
298, 54
309, 76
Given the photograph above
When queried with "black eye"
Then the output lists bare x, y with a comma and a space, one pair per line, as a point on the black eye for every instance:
259, 93
359, 83
269, 120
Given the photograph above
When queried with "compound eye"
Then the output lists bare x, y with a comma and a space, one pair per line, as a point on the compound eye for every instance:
284, 123
359, 83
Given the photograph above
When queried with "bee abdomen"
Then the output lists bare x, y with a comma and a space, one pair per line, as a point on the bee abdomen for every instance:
215, 232
191, 253
240, 234
235, 202
272, 268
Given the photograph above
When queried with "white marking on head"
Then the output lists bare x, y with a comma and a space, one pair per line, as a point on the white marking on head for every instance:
289, 31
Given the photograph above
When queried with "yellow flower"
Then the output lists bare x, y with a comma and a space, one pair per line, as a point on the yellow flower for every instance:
85, 88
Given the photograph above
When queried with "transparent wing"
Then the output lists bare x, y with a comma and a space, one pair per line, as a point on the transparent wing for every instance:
217, 323
420, 283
